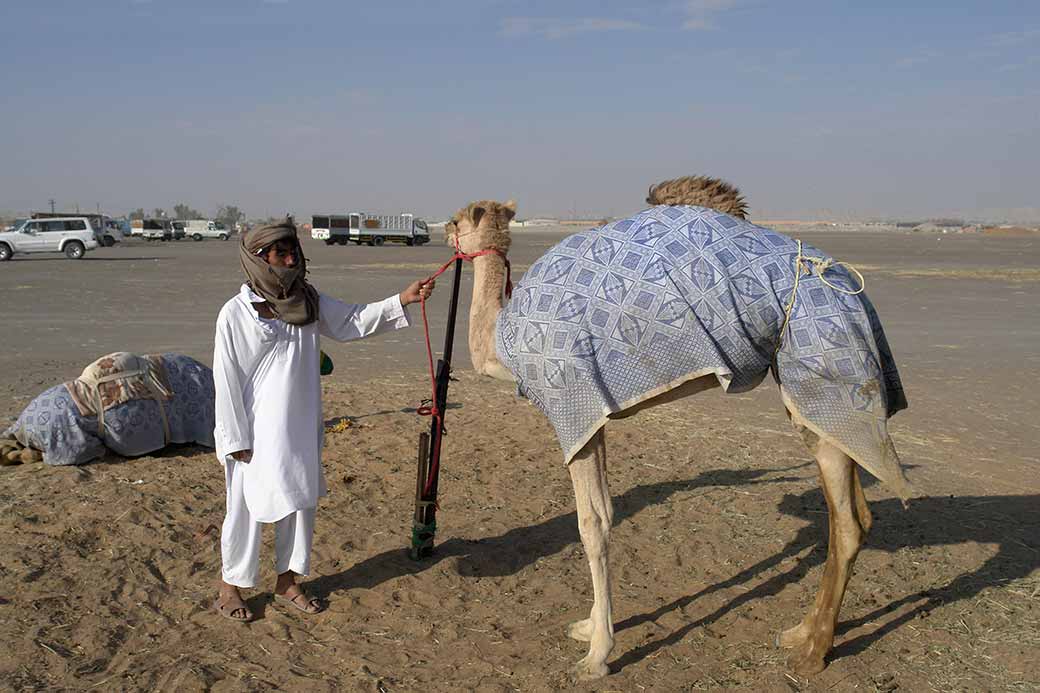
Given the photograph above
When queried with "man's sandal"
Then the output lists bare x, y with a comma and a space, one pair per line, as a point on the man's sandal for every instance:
227, 610
308, 605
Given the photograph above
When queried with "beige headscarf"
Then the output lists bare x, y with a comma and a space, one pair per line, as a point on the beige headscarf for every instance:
285, 289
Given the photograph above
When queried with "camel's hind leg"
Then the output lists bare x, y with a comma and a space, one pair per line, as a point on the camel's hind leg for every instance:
595, 515
849, 523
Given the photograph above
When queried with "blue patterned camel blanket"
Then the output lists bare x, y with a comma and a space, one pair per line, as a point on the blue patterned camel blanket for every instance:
614, 316
53, 424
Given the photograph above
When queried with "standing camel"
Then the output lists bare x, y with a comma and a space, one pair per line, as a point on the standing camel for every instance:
685, 296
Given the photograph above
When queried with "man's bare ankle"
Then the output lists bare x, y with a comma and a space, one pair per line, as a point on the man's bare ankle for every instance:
229, 590
284, 582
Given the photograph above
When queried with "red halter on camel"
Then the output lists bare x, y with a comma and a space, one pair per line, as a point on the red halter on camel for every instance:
468, 257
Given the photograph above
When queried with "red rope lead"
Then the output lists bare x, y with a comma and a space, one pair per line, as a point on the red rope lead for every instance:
432, 409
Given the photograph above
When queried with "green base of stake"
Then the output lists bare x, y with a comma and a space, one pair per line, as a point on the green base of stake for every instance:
422, 541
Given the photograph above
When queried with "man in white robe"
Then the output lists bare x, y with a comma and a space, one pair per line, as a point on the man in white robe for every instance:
268, 408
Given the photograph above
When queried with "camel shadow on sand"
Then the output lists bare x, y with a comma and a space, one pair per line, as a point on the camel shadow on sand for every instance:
1011, 523
510, 552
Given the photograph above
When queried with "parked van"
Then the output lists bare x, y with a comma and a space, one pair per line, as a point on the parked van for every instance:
152, 229
73, 236
197, 229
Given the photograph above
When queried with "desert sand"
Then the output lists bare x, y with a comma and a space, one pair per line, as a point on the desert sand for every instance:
108, 571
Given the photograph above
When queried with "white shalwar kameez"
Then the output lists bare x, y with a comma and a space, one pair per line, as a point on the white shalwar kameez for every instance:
268, 400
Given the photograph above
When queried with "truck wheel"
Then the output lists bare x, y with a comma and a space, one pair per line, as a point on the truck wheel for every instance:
74, 250
357, 242
5, 252
343, 241
196, 237
223, 236
108, 241
329, 241
378, 240
409, 241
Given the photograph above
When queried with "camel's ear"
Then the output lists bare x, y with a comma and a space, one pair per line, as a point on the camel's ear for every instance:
650, 195
510, 208
475, 214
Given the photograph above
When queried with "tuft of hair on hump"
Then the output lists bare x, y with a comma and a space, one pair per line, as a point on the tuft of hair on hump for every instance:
699, 191
490, 217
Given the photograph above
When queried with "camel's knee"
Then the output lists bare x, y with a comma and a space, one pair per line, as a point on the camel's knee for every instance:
848, 539
841, 490
591, 494
595, 535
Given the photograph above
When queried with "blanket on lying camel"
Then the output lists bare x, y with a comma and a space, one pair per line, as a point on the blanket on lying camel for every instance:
118, 378
53, 423
617, 315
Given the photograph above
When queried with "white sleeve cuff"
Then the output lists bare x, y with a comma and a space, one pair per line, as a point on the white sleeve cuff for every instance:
396, 312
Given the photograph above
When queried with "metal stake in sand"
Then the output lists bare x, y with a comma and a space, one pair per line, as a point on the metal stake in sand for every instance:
424, 526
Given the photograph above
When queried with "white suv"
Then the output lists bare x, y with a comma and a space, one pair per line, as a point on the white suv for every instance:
70, 235
198, 229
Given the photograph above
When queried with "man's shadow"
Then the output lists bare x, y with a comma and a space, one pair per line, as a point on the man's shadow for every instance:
1010, 522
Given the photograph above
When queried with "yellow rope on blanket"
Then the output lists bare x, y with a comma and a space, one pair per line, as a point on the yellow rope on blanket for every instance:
806, 263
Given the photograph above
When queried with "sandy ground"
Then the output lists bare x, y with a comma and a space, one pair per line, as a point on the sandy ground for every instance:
108, 571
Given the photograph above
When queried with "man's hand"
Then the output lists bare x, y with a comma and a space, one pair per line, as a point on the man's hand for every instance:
417, 291
242, 456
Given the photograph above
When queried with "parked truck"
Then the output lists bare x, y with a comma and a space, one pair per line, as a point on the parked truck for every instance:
371, 229
197, 229
153, 229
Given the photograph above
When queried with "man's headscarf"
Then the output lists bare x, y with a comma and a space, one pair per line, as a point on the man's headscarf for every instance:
285, 289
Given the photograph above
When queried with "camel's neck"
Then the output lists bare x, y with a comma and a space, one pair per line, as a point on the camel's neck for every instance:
489, 280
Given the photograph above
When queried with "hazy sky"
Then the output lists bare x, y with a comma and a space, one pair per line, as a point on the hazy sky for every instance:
824, 108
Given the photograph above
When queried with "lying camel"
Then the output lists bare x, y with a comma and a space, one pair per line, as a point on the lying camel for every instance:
683, 297
125, 403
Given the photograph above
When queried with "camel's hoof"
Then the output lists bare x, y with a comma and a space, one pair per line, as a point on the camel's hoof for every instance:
585, 670
792, 637
581, 630
13, 457
29, 456
805, 662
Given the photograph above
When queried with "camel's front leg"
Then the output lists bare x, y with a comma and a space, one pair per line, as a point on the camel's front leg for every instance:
595, 515
849, 523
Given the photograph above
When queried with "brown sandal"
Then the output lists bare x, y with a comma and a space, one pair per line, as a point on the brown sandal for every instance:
228, 611
308, 605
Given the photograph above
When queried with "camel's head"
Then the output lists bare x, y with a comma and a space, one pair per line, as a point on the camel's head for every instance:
481, 225
699, 191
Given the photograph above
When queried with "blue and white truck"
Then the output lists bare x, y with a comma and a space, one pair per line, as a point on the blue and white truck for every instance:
370, 229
